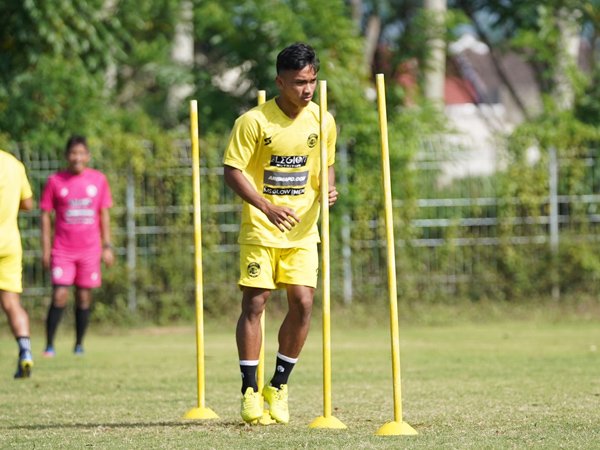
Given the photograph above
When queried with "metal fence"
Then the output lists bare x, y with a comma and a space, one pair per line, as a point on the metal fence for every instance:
452, 240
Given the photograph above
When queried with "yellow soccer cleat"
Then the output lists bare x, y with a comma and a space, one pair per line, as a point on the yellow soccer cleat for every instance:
278, 402
24, 366
251, 409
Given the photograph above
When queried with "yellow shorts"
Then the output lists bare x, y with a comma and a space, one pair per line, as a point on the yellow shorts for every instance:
11, 271
272, 268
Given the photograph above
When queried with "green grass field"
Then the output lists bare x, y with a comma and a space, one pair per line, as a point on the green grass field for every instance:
506, 384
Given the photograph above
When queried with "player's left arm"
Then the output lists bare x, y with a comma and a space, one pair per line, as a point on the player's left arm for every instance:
107, 251
333, 193
26, 202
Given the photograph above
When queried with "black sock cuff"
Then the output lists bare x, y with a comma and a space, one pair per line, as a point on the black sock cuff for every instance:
24, 343
248, 373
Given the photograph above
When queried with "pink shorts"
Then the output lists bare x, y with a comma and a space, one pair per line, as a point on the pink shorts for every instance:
81, 269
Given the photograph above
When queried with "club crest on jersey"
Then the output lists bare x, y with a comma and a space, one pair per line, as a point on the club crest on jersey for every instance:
312, 140
253, 269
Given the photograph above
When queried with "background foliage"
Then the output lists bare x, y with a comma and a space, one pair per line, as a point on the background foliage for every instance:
105, 69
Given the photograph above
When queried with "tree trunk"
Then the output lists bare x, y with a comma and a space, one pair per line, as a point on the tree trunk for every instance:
568, 48
182, 54
435, 69
372, 34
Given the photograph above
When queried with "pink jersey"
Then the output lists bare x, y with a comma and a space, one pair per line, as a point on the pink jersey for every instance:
77, 201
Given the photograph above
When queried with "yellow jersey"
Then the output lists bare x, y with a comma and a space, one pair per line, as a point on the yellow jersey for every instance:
280, 157
14, 187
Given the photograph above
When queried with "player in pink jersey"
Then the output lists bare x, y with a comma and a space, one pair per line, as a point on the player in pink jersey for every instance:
80, 198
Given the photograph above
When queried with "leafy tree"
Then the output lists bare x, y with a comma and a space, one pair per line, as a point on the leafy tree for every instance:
244, 39
82, 29
52, 100
144, 76
67, 65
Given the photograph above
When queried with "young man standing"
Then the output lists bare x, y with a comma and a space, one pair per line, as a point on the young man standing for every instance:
273, 163
15, 194
80, 198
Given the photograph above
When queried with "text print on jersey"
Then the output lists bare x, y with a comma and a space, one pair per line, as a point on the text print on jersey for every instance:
292, 162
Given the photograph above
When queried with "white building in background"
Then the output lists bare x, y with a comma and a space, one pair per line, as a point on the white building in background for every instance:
481, 108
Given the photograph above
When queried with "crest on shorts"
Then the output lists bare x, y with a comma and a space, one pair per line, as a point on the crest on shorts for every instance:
253, 269
312, 140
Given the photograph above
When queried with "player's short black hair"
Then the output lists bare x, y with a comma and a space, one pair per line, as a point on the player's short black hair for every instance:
74, 140
296, 57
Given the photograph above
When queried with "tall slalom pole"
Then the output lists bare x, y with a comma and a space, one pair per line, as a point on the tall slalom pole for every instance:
397, 427
260, 370
326, 420
201, 411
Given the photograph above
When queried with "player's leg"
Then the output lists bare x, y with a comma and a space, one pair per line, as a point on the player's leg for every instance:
11, 270
256, 281
83, 304
249, 337
292, 335
60, 296
297, 269
19, 324
62, 270
88, 276
248, 333
293, 331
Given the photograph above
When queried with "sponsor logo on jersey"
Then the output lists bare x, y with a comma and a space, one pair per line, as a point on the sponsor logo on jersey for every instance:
292, 162
282, 191
285, 178
267, 140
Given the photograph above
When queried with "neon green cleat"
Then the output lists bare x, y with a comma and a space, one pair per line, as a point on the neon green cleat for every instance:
251, 409
278, 402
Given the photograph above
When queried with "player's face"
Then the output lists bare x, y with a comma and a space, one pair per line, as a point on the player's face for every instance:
78, 158
297, 87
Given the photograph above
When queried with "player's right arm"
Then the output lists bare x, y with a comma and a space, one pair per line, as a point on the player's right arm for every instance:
46, 207
282, 217
241, 147
46, 220
26, 204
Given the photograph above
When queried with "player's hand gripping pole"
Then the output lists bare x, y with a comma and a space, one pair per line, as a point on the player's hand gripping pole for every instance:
397, 426
201, 411
260, 371
326, 420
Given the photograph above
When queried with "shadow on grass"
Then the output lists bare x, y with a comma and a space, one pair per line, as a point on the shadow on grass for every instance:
173, 424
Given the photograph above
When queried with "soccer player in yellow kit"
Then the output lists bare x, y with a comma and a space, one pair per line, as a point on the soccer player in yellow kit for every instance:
273, 162
15, 194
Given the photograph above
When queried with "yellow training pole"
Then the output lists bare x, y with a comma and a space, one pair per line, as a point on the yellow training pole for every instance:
326, 420
200, 412
397, 427
260, 371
